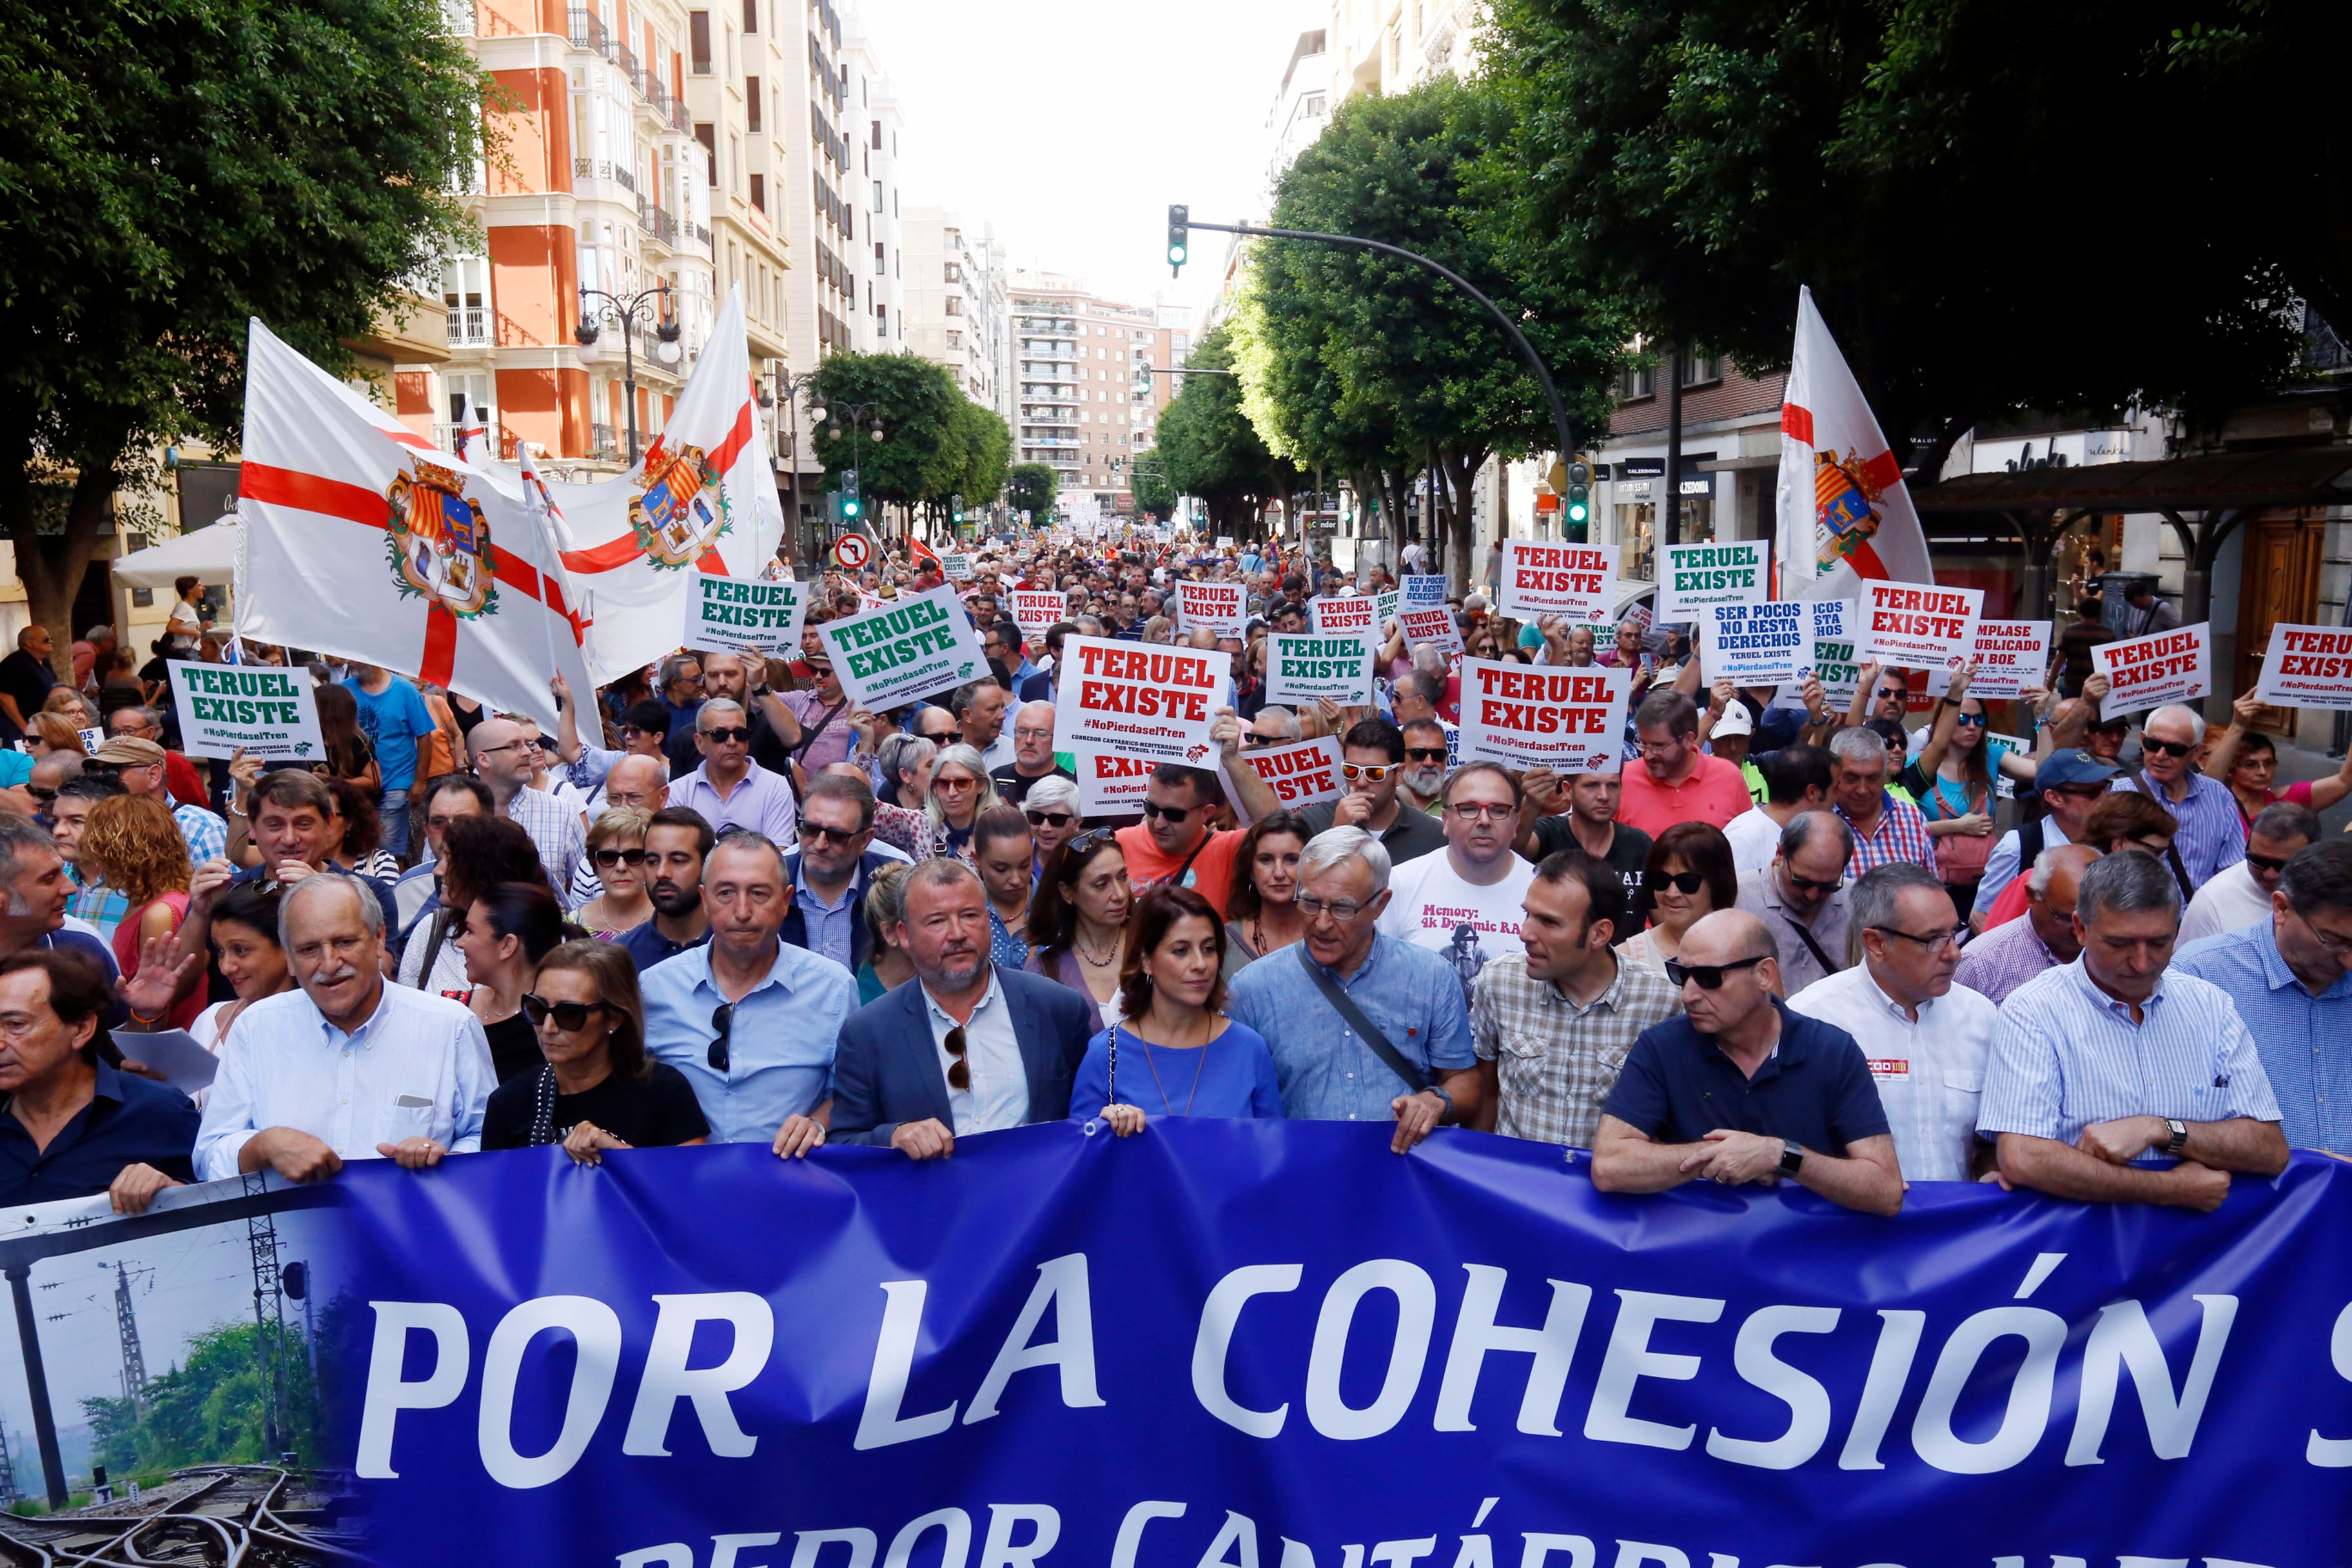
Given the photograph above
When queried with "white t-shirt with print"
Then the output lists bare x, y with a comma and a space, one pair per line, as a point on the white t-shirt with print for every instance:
1461, 922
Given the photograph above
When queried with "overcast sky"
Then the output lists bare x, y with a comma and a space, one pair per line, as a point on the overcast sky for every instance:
1070, 125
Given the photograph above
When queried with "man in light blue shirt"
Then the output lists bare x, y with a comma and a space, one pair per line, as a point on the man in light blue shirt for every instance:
1327, 1070
2113, 1082
2291, 977
729, 789
748, 1019
348, 1066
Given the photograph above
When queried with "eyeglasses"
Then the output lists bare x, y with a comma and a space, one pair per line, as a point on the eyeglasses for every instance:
830, 835
1174, 815
1374, 773
955, 785
2328, 940
1711, 976
1683, 883
1807, 884
494, 751
728, 733
1893, 694
959, 1065
570, 1017
611, 857
723, 1019
47, 795
1422, 754
1931, 941
1050, 819
1341, 909
1481, 811
1075, 852
2168, 748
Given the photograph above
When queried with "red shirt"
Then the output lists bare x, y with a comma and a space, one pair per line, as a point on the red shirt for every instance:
1211, 874
1714, 793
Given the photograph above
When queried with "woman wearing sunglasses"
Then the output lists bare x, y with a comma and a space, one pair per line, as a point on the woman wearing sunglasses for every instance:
1052, 808
1952, 779
1689, 875
503, 936
592, 1088
961, 791
1262, 902
1077, 920
616, 848
1157, 1060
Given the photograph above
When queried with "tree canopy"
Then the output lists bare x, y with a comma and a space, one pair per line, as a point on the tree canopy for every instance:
170, 170
935, 442
1031, 488
1210, 449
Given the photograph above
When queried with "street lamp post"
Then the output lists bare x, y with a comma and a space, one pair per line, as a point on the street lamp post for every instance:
788, 389
853, 416
624, 314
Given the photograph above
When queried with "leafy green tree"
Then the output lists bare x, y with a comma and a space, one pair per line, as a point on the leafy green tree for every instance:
1922, 167
210, 1409
1147, 481
1380, 362
987, 446
173, 169
921, 457
1212, 451
1031, 488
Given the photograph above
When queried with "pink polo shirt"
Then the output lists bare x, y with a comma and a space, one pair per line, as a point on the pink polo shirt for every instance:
1715, 793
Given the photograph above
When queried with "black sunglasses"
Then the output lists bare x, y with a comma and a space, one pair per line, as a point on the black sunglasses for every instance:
47, 795
2169, 748
1425, 754
722, 1018
959, 1066
1051, 819
1683, 883
830, 835
728, 733
1807, 884
1172, 813
569, 1016
2266, 863
1708, 975
620, 856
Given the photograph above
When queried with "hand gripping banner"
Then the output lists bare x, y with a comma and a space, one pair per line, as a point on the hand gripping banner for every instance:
1260, 1344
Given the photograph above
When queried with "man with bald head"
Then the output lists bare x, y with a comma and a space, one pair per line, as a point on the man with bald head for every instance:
2014, 952
1033, 753
504, 759
635, 784
1738, 1089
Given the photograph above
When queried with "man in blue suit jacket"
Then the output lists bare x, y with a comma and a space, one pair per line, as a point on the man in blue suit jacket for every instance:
970, 1048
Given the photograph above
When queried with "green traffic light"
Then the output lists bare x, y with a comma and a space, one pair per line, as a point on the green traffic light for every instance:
1176, 256
1578, 511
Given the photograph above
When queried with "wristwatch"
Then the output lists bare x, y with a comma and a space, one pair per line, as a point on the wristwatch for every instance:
1792, 1156
2180, 1131
1439, 1090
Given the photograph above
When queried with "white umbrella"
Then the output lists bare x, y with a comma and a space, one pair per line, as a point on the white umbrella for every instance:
207, 552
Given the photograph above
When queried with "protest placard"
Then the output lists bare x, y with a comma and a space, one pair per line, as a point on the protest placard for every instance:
1224, 542
1918, 625
1384, 609
1110, 783
1356, 612
912, 646
2173, 666
1299, 773
1756, 644
2011, 657
1037, 611
1528, 716
1435, 627
1575, 582
957, 566
1219, 607
1303, 668
1833, 662
731, 611
2004, 786
2307, 666
1693, 578
1140, 700
266, 711
1422, 590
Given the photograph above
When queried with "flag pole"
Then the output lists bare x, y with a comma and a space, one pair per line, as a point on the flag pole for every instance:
534, 500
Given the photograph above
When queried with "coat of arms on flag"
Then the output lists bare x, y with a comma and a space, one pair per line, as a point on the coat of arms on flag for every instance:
1845, 513
1839, 519
439, 543
682, 509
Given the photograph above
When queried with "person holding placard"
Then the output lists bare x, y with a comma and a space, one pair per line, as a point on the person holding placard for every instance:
2246, 760
1884, 829
1589, 823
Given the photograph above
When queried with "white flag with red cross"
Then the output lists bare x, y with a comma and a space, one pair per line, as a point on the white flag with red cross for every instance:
703, 498
1844, 513
364, 543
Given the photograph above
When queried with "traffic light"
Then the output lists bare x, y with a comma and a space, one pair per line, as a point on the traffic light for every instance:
1180, 220
955, 505
1579, 493
853, 507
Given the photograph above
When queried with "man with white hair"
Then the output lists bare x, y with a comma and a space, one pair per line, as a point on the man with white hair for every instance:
1271, 726
2212, 836
348, 1066
1363, 1027
1033, 753
730, 789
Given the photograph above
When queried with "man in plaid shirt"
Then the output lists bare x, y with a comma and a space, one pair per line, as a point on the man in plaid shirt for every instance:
1884, 829
1552, 1024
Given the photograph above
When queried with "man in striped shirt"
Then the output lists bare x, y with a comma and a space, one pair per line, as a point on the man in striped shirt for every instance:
2113, 1082
2212, 836
1884, 829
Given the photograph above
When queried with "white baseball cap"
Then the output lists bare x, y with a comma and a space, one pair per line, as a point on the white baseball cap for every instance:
1735, 722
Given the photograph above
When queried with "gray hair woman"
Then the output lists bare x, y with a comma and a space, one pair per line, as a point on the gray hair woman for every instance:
961, 791
1052, 808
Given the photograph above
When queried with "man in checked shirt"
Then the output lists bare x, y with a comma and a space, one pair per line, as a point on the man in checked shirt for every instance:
1552, 1024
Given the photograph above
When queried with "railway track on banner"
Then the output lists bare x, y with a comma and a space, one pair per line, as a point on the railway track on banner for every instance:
208, 1516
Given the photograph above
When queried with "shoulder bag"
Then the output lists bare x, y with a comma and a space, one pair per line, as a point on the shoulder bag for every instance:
1415, 1078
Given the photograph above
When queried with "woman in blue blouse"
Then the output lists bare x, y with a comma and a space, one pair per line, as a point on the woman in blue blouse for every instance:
1175, 1053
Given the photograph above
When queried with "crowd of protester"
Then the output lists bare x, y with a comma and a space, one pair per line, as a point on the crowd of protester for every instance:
1788, 940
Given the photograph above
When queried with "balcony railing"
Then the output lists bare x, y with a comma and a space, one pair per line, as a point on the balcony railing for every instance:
469, 326
603, 169
601, 442
446, 437
588, 32
626, 59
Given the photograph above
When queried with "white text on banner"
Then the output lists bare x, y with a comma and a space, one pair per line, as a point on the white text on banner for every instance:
1306, 668
1574, 581
1918, 625
1530, 716
1422, 590
910, 647
2173, 666
1756, 645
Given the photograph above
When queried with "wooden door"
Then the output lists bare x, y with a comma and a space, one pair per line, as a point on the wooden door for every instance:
2279, 582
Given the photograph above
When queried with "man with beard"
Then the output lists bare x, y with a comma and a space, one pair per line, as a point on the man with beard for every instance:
973, 1047
678, 841
1424, 764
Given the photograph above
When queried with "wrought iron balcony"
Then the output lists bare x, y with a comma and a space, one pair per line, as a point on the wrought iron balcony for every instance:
588, 32
604, 169
469, 326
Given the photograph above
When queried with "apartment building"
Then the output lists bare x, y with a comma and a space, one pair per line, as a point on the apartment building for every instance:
600, 184
955, 309
1088, 399
1394, 46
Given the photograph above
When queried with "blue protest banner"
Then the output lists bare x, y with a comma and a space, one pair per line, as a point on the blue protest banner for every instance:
1279, 1345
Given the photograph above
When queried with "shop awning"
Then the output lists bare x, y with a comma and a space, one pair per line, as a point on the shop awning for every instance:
2310, 476
208, 552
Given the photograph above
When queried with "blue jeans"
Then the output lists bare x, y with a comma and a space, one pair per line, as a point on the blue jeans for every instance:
395, 811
